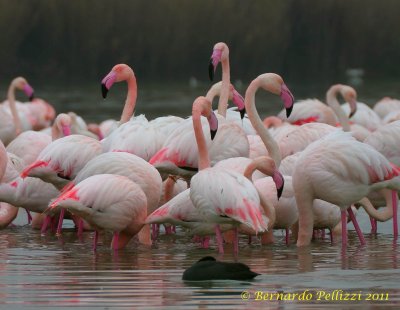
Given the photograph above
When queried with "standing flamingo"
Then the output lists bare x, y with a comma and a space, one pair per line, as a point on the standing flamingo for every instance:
340, 170
10, 127
108, 202
222, 196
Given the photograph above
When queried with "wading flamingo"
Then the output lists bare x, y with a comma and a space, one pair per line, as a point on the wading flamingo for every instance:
342, 171
108, 202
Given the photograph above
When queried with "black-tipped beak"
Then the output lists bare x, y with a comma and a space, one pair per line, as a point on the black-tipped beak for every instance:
211, 70
351, 113
289, 111
31, 97
104, 90
242, 113
279, 191
213, 133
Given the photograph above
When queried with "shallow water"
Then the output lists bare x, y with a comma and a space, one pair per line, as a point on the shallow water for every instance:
48, 271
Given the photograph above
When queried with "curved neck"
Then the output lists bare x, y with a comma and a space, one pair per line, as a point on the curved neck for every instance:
204, 160
269, 142
385, 213
169, 189
130, 102
226, 80
333, 103
263, 163
3, 160
214, 91
13, 108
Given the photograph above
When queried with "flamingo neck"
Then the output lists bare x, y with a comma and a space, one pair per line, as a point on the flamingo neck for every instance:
269, 142
8, 193
214, 91
130, 102
7, 214
263, 163
169, 189
226, 80
204, 160
333, 103
3, 160
13, 107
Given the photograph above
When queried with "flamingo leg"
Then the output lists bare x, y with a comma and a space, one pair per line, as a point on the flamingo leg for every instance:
323, 234
287, 234
356, 226
395, 225
344, 229
331, 235
29, 216
95, 239
80, 227
236, 241
116, 241
249, 241
373, 225
220, 240
168, 230
46, 223
205, 242
60, 221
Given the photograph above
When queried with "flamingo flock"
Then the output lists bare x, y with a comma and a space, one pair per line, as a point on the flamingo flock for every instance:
223, 172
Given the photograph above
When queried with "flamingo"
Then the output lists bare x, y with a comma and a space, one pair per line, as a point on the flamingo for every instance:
365, 116
220, 195
135, 168
137, 136
11, 126
386, 105
108, 202
339, 170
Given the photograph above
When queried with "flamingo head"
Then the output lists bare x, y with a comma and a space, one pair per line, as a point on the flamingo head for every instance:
220, 53
203, 107
95, 128
350, 95
63, 122
238, 101
274, 83
21, 84
118, 73
279, 181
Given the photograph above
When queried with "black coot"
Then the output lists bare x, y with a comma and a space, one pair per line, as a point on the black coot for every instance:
208, 268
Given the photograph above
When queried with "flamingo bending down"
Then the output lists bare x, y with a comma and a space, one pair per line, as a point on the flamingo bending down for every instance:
340, 170
222, 196
108, 202
11, 126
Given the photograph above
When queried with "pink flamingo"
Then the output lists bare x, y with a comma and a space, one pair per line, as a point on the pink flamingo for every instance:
108, 202
340, 170
222, 196
386, 105
137, 135
10, 127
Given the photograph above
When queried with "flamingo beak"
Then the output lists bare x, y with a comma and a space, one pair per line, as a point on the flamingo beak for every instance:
28, 90
66, 129
287, 98
279, 182
239, 102
353, 107
215, 59
213, 122
107, 82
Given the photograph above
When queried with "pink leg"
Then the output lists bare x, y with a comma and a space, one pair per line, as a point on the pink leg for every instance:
46, 223
220, 240
395, 225
205, 242
236, 241
250, 237
29, 216
173, 228
355, 223
116, 240
53, 224
331, 235
95, 239
60, 221
168, 230
344, 229
373, 225
287, 234
323, 234
80, 227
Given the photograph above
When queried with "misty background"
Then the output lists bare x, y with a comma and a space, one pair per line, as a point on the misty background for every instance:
64, 45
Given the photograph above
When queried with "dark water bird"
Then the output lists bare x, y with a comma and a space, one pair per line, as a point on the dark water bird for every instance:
208, 268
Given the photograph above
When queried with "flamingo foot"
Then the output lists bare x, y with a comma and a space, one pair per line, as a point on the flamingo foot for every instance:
220, 240
356, 226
